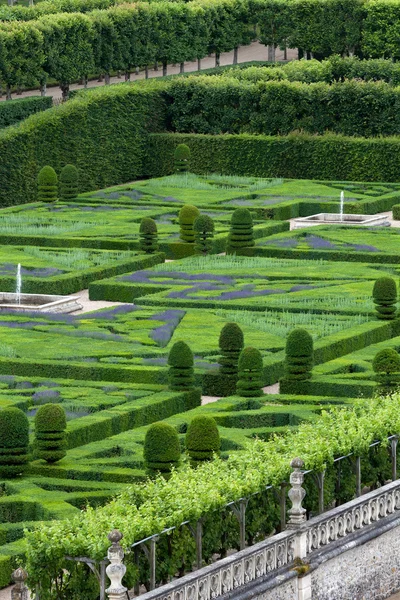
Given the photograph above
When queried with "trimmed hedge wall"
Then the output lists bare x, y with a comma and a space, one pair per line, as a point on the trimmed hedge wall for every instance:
303, 156
14, 111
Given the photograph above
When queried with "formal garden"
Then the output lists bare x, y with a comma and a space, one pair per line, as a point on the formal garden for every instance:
217, 342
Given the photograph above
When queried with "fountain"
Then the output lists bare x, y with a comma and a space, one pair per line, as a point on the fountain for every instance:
36, 302
341, 219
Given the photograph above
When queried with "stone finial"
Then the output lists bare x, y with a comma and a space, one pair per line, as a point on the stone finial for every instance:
116, 569
20, 590
297, 514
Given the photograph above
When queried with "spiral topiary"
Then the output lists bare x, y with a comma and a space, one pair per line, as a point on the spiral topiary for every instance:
148, 235
47, 184
299, 355
203, 227
384, 294
161, 449
50, 426
181, 158
386, 365
241, 231
231, 342
250, 367
202, 439
69, 182
181, 372
187, 216
14, 441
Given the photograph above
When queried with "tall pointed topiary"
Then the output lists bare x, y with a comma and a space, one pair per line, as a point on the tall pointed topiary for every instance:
204, 232
299, 355
14, 441
250, 367
187, 216
384, 294
181, 158
181, 372
386, 365
231, 342
50, 426
202, 439
148, 235
161, 449
241, 231
47, 185
69, 182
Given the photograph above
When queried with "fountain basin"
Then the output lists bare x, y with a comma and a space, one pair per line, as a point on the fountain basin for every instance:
334, 219
39, 302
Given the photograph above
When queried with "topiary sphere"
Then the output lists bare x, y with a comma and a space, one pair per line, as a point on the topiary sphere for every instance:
161, 447
250, 359
203, 223
47, 176
386, 361
188, 214
182, 152
242, 217
147, 225
299, 343
202, 438
231, 337
385, 290
180, 355
14, 428
50, 418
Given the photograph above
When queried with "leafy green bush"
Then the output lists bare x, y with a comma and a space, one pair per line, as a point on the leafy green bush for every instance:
161, 448
47, 184
187, 216
181, 372
14, 440
241, 231
181, 158
299, 355
69, 182
202, 439
148, 235
203, 227
384, 294
50, 426
386, 365
250, 366
231, 342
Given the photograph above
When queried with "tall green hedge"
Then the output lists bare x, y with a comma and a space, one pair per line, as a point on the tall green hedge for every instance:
14, 111
14, 440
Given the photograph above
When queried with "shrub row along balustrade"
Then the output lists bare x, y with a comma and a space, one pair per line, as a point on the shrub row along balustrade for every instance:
315, 485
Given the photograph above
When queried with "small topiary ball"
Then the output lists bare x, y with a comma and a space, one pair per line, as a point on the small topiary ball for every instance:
385, 290
203, 224
47, 184
182, 152
14, 428
299, 343
386, 361
161, 448
242, 217
231, 337
50, 418
188, 214
147, 225
202, 438
69, 180
250, 359
47, 176
180, 355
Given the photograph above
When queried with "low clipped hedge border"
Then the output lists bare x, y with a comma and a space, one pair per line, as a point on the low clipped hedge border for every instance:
14, 111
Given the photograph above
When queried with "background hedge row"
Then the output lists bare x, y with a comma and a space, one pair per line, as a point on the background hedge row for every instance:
18, 110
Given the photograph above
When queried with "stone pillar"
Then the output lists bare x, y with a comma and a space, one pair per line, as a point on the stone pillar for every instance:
116, 569
19, 591
297, 514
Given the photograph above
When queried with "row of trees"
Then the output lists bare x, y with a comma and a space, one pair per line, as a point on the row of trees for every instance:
71, 46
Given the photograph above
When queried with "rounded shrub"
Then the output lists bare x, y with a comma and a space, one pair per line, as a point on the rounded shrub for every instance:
386, 365
181, 158
50, 426
384, 294
241, 231
47, 184
203, 227
181, 372
148, 235
187, 216
161, 448
202, 439
231, 342
299, 355
69, 182
14, 441
250, 367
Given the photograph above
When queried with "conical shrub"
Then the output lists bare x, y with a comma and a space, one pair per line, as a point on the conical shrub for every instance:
47, 185
384, 294
69, 182
299, 355
202, 439
161, 448
250, 367
203, 227
241, 231
50, 426
187, 216
181, 371
231, 342
148, 235
14, 441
